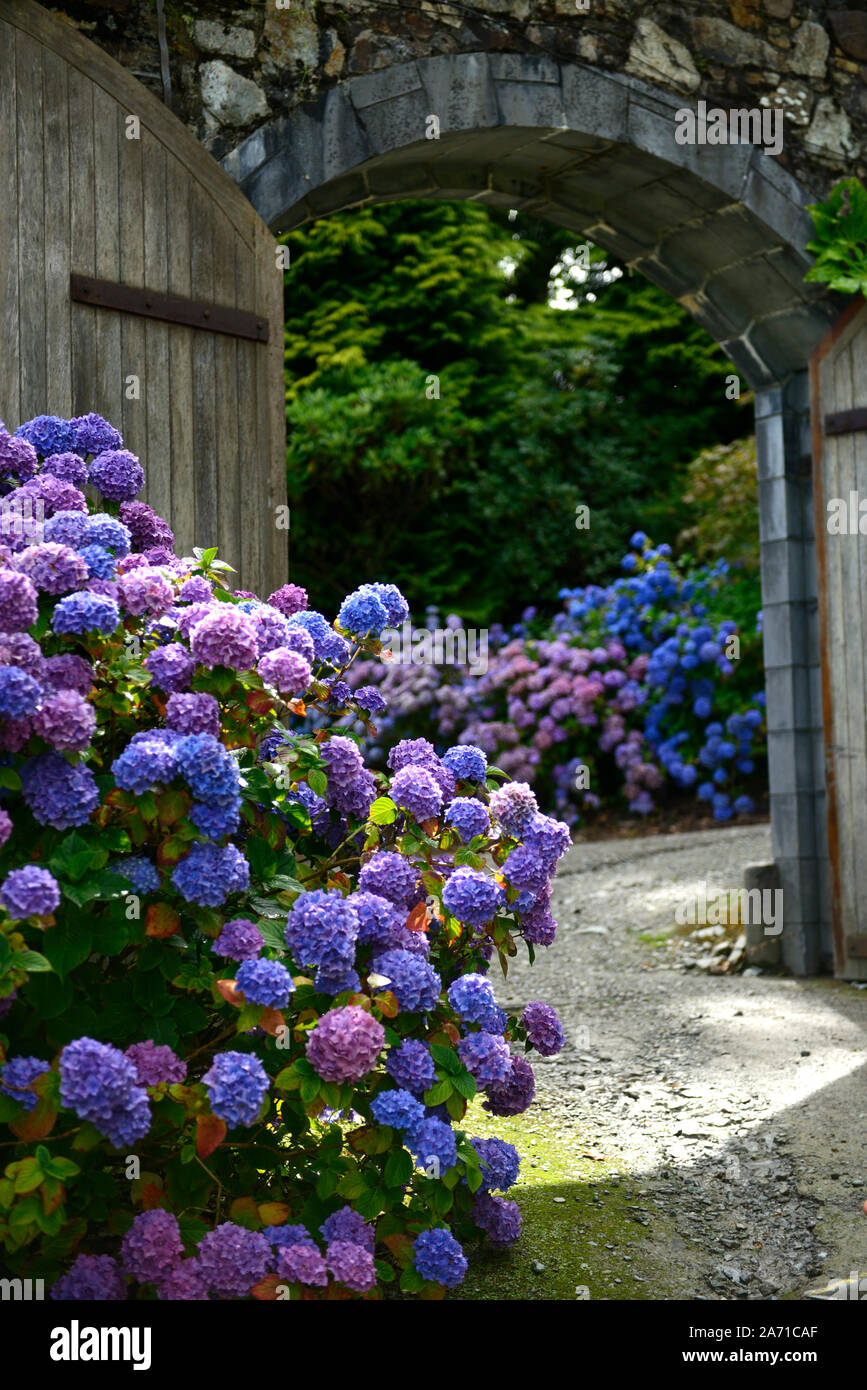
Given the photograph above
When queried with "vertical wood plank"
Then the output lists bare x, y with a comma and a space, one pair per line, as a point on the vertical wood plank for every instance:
107, 367
31, 218
204, 368
252, 504
82, 238
229, 483
10, 361
132, 257
157, 399
182, 513
58, 338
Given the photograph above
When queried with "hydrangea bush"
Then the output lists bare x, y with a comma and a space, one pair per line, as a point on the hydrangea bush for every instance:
244, 988
631, 692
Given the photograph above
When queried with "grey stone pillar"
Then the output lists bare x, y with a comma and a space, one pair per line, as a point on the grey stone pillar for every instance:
791, 646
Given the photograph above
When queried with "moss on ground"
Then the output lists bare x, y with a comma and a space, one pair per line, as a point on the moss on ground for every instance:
579, 1217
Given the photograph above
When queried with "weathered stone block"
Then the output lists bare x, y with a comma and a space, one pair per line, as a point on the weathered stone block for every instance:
231, 99
214, 37
657, 57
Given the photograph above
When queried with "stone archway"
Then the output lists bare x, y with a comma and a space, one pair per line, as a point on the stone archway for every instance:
721, 228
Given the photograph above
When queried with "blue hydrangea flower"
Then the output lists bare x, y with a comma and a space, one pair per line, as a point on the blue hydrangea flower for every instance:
499, 1162
16, 1076
466, 762
469, 817
210, 874
398, 1109
84, 612
265, 982
411, 1066
237, 1084
434, 1144
19, 693
486, 1057
438, 1256
472, 998
58, 793
472, 896
101, 1085
415, 984
363, 612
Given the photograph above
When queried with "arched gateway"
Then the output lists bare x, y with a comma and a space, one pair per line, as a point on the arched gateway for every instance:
720, 227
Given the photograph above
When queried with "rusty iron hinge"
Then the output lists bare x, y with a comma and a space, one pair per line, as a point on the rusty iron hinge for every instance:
171, 308
846, 421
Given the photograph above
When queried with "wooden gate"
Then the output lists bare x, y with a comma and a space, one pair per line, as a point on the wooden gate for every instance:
137, 281
839, 423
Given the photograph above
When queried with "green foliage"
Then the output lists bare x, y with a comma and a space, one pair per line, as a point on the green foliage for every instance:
722, 491
840, 243
536, 410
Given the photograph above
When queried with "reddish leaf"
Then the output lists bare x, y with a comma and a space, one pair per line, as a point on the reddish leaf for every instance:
401, 1248
272, 1021
259, 701
273, 1213
230, 993
161, 920
266, 1289
430, 826
52, 1193
36, 1123
210, 1133
172, 806
298, 706
387, 1004
361, 1001
152, 1196
418, 918
171, 851
245, 1212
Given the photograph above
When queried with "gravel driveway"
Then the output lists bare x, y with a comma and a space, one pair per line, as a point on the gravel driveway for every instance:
730, 1110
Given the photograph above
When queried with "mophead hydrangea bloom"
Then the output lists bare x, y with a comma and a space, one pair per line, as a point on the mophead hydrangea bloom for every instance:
439, 1257
466, 762
93, 435
434, 1145
48, 434
266, 982
210, 874
232, 1259
302, 1264
68, 672
414, 789
513, 805
320, 923
544, 1029
237, 1084
100, 1084
351, 1265
66, 721
472, 896
398, 1109
411, 1066
348, 1225
30, 892
151, 1246
515, 1094
145, 591
380, 922
390, 876
19, 606
468, 816
16, 1078
19, 693
91, 1279
239, 939
185, 1283
142, 874
363, 612
472, 998
345, 1044
54, 569
499, 1218
289, 599
499, 1161
172, 668
224, 636
147, 529
70, 467
351, 788
156, 1064
117, 474
486, 1057
83, 612
57, 792
288, 672
415, 985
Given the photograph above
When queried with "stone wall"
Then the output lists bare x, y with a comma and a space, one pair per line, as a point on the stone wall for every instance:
234, 67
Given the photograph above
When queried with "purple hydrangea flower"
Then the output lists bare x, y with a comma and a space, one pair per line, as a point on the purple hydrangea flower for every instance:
145, 590
18, 458
472, 998
156, 1064
289, 599
345, 1044
544, 1029
148, 761
151, 1246
396, 606
225, 637
486, 1057
414, 789
146, 528
514, 1095
68, 672
84, 612
184, 1283
350, 1226
527, 869
368, 698
66, 721
210, 874
196, 589
469, 817
67, 528
298, 640
117, 474
19, 649
415, 984
472, 896
70, 467
193, 713
322, 924
351, 788
513, 805
466, 762
232, 1259
285, 670
379, 921
237, 1084
239, 939
281, 1236
302, 1264
106, 531
439, 1257
172, 668
351, 1265
53, 494
54, 569
92, 1279
266, 982
499, 1163
93, 435
57, 793
30, 892
16, 1076
19, 607
390, 876
411, 1066
498, 1218
99, 1083
5, 826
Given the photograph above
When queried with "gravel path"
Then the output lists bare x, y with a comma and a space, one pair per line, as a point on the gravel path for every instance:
734, 1106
